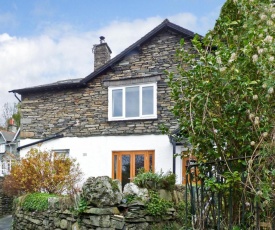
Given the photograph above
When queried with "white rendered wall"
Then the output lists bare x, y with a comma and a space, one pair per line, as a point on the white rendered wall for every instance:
95, 153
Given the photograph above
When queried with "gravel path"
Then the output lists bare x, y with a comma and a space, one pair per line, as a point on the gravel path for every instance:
6, 222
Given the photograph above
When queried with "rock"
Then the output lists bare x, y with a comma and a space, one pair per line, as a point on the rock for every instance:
136, 205
102, 191
132, 189
178, 194
138, 226
75, 226
165, 194
103, 211
117, 222
100, 221
63, 224
56, 222
53, 202
45, 222
154, 219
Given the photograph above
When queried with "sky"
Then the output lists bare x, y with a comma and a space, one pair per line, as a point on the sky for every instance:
44, 41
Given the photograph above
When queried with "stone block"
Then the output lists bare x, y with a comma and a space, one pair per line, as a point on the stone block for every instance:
75, 226
63, 224
103, 211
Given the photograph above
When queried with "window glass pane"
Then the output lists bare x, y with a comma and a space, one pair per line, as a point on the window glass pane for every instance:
117, 103
126, 164
2, 148
147, 100
65, 152
132, 102
139, 163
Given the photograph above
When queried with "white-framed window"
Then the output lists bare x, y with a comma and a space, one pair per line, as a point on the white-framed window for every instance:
132, 102
2, 148
65, 152
5, 166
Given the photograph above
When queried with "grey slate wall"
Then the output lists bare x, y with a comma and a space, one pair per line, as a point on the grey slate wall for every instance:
49, 112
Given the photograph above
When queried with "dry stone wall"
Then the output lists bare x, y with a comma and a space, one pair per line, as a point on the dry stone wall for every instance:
93, 218
5, 201
46, 113
98, 215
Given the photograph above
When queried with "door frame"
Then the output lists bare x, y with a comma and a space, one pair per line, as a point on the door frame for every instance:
132, 153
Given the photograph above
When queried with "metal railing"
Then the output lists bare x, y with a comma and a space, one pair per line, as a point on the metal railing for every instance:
211, 203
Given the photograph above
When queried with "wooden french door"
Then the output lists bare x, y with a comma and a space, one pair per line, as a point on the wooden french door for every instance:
186, 161
127, 163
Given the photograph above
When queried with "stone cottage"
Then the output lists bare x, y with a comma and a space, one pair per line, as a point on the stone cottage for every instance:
9, 142
110, 119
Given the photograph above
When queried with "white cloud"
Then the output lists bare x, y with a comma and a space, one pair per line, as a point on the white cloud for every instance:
62, 53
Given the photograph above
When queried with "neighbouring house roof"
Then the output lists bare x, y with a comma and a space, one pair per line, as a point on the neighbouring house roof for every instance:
16, 135
81, 82
8, 136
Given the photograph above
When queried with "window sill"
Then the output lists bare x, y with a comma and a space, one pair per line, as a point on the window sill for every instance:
133, 119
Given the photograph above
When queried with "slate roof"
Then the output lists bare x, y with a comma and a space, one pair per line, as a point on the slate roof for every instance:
64, 84
8, 136
81, 82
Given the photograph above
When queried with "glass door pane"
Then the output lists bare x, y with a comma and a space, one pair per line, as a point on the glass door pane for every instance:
139, 163
151, 163
115, 167
126, 169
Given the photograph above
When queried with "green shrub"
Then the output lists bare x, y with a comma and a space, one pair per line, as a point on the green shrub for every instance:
129, 198
154, 181
36, 201
147, 180
156, 205
81, 206
114, 185
165, 226
181, 210
168, 181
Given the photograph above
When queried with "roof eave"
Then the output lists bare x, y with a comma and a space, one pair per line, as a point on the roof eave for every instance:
48, 88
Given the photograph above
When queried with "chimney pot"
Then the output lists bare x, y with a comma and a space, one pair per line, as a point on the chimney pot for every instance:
102, 53
102, 39
11, 121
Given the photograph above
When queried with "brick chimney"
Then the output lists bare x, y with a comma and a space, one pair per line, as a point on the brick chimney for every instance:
11, 126
102, 53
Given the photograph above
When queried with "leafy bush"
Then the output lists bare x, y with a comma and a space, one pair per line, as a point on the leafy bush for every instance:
153, 181
168, 181
131, 197
80, 205
165, 226
181, 210
147, 180
156, 205
43, 172
36, 201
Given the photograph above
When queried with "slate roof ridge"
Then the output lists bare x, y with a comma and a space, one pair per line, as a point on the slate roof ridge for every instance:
143, 39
